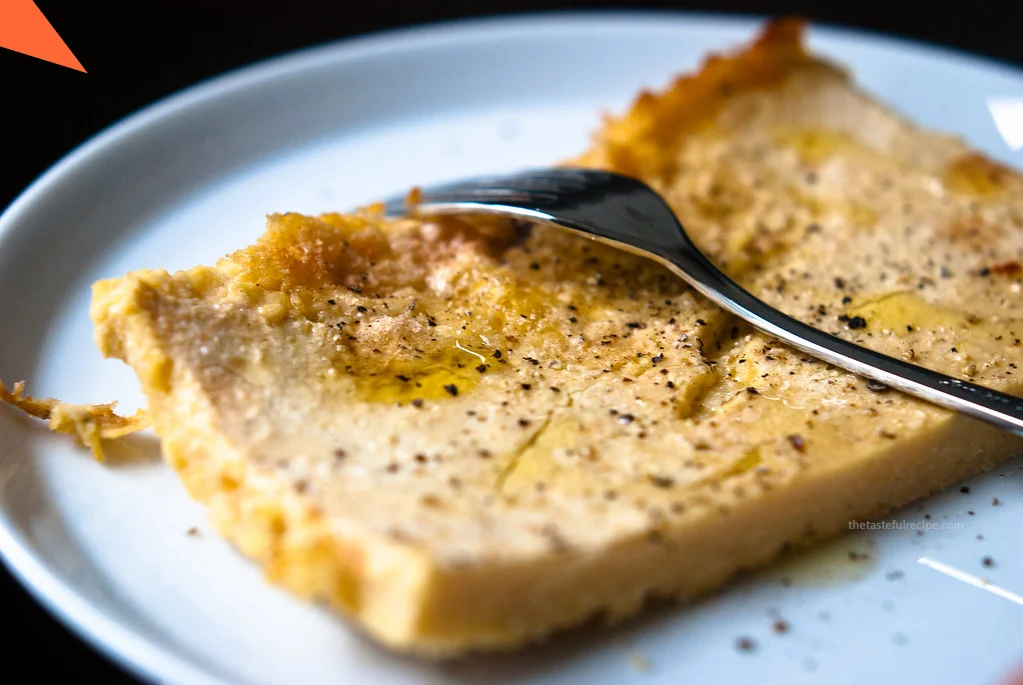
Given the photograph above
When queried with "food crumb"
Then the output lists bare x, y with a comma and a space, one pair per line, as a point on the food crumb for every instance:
894, 575
780, 626
745, 644
995, 502
988, 562
965, 489
193, 532
639, 661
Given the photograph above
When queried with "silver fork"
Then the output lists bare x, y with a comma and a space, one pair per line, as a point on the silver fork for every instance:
623, 212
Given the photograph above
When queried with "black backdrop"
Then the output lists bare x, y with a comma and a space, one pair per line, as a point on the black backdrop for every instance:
137, 52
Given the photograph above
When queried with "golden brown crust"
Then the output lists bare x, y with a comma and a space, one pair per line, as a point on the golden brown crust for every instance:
640, 142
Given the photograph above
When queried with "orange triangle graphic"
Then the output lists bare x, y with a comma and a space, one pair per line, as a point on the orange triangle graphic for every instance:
23, 28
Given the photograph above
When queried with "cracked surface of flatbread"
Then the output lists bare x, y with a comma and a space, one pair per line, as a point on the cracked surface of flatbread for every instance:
467, 435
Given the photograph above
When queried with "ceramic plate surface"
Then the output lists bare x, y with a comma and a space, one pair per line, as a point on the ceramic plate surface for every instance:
191, 178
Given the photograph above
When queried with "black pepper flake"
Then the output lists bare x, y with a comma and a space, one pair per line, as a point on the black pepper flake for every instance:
752, 391
857, 322
671, 385
357, 291
451, 389
481, 368
524, 422
988, 562
965, 489
331, 302
361, 309
634, 324
797, 443
555, 388
626, 418
846, 300
660, 481
701, 322
745, 644
572, 319
985, 272
532, 361
417, 403
534, 266
340, 453
526, 386
403, 378
657, 358
839, 283
497, 354
431, 323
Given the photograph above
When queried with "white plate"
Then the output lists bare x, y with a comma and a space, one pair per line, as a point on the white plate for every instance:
191, 178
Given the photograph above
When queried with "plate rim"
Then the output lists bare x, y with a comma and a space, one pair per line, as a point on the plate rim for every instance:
148, 658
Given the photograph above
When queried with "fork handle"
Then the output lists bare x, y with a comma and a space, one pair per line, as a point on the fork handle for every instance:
998, 408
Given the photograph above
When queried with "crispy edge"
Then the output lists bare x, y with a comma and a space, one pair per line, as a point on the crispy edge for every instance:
90, 424
642, 142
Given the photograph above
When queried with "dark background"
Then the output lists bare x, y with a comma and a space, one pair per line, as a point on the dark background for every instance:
138, 52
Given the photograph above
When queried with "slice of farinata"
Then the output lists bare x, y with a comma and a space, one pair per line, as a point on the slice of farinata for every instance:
467, 435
